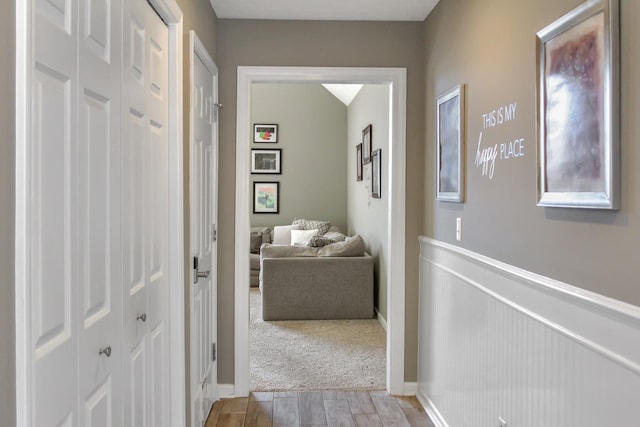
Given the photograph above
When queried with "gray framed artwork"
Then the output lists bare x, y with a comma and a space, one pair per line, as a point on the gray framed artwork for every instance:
450, 143
578, 108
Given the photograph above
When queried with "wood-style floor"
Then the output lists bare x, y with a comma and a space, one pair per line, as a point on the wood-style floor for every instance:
319, 408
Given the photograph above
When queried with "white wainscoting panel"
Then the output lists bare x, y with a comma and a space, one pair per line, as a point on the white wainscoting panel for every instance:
497, 341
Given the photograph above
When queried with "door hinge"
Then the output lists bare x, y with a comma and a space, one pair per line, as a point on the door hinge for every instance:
214, 233
213, 352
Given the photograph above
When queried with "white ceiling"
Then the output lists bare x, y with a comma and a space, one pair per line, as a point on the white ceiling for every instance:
344, 93
323, 10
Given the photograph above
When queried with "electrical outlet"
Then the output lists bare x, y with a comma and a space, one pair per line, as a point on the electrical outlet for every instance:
502, 422
458, 229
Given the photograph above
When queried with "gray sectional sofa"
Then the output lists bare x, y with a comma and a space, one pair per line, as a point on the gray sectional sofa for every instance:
305, 283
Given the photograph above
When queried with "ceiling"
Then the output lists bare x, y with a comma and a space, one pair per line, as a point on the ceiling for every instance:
325, 10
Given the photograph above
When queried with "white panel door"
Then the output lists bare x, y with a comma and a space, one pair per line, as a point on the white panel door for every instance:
204, 155
97, 184
74, 220
145, 216
53, 254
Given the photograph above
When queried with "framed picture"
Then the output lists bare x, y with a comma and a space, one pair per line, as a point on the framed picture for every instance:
578, 108
265, 197
366, 144
266, 161
265, 133
450, 143
376, 175
359, 162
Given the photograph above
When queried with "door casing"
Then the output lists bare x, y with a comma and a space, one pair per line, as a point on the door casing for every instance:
396, 78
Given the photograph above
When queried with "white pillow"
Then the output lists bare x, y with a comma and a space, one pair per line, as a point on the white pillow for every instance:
301, 237
282, 234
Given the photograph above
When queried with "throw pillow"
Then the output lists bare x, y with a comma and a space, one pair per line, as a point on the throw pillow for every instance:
256, 242
301, 237
282, 234
312, 224
320, 241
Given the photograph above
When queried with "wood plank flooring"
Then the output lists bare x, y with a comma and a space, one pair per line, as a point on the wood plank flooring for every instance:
319, 408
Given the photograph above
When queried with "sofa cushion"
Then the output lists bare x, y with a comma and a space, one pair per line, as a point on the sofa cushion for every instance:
352, 246
301, 237
282, 234
312, 224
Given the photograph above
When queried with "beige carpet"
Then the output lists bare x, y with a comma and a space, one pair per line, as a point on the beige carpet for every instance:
315, 354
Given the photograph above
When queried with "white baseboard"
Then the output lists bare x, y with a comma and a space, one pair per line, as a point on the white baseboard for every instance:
226, 391
381, 319
437, 419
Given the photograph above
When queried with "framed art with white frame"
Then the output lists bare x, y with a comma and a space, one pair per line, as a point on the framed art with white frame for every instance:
266, 161
265, 133
450, 145
376, 174
578, 108
367, 144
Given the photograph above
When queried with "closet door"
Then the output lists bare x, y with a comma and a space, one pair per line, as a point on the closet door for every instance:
97, 228
74, 216
145, 216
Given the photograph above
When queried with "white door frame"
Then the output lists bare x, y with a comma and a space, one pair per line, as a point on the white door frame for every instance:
396, 78
196, 47
170, 12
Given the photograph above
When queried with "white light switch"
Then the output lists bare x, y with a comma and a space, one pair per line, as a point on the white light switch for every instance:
458, 229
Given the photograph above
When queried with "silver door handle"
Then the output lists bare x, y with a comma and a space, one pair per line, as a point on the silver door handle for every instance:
202, 274
106, 351
142, 317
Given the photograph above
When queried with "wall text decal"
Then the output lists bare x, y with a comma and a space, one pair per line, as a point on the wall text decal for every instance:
486, 156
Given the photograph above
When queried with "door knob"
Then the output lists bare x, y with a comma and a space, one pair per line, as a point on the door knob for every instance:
106, 351
142, 317
203, 274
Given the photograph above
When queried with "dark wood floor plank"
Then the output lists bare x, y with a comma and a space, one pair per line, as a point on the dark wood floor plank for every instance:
367, 420
261, 396
320, 408
231, 420
417, 417
311, 408
259, 414
214, 415
408, 402
285, 412
360, 402
338, 413
389, 410
334, 395
239, 404
285, 394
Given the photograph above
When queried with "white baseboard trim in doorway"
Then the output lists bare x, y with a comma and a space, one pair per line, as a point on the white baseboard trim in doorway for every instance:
226, 391
410, 389
381, 319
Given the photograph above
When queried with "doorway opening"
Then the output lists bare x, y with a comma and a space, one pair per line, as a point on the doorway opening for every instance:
395, 183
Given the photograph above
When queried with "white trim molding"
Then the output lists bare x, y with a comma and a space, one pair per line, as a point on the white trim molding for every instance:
396, 78
499, 341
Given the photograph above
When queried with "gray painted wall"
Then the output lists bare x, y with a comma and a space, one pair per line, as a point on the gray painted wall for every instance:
7, 207
312, 133
368, 216
331, 44
490, 45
